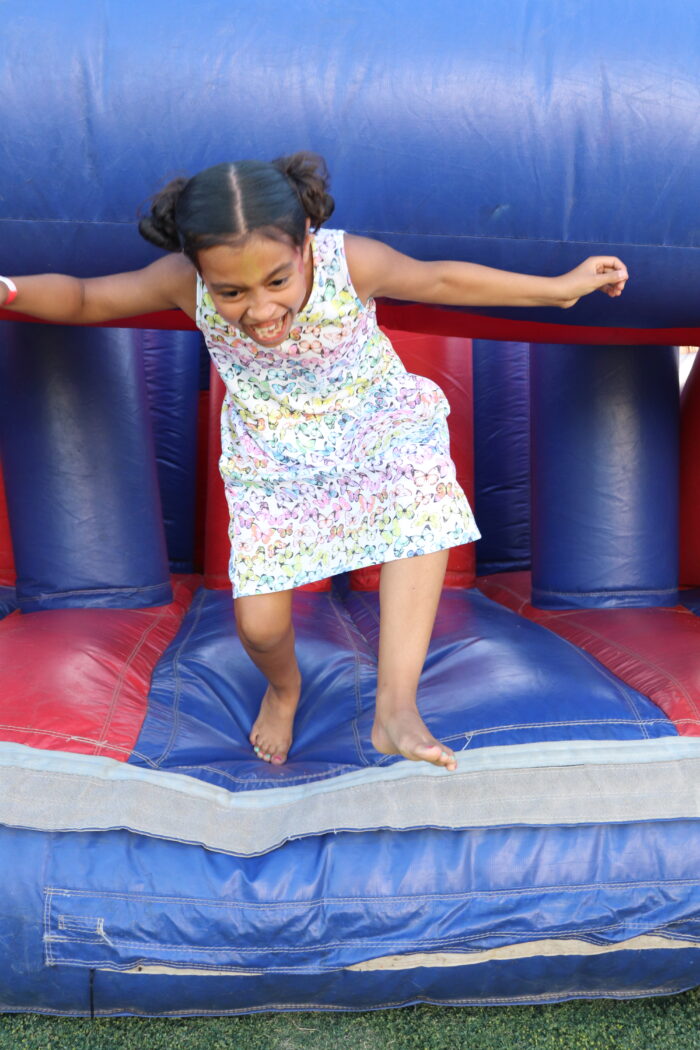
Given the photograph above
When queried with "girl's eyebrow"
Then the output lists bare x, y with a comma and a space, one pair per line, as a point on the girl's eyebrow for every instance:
220, 285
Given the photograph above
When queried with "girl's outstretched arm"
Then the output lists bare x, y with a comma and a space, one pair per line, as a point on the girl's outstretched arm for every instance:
169, 282
378, 270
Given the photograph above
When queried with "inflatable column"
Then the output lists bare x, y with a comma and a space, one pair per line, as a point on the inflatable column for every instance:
690, 478
604, 476
172, 365
502, 454
80, 475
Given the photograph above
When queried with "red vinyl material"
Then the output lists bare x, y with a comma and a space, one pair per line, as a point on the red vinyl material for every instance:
201, 482
653, 650
690, 479
216, 544
7, 562
448, 362
438, 320
78, 679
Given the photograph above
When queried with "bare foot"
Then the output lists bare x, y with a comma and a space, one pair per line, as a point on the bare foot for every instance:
405, 733
271, 735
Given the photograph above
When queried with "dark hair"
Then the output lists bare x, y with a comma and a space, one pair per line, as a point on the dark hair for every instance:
226, 203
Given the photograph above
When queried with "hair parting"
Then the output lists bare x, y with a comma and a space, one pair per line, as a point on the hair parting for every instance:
227, 203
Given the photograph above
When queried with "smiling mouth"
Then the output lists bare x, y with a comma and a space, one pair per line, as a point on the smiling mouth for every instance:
270, 331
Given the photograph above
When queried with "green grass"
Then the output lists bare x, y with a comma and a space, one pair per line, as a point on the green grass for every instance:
671, 1023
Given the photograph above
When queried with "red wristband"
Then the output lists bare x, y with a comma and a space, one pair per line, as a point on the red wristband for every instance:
11, 290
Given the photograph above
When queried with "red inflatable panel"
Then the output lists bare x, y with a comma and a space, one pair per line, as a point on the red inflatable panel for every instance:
78, 679
216, 544
690, 479
217, 547
448, 362
437, 320
7, 562
201, 492
656, 651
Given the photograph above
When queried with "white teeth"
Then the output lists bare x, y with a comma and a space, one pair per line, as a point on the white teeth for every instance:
269, 329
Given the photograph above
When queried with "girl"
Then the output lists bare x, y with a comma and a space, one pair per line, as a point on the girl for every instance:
333, 456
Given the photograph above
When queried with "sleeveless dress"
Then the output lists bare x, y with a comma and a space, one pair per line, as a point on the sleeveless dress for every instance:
334, 457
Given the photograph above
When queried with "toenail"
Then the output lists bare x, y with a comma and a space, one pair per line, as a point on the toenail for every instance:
256, 749
267, 757
277, 758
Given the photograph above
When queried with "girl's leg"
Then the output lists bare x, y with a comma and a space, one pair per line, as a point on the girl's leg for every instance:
264, 623
409, 591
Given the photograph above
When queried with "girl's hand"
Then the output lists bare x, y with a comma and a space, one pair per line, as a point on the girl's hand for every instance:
604, 273
376, 269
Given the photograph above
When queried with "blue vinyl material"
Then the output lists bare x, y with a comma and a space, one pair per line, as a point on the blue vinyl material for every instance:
172, 368
515, 134
293, 919
691, 599
205, 691
8, 600
82, 493
502, 454
605, 424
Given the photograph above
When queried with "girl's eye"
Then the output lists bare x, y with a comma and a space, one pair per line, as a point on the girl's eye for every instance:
278, 282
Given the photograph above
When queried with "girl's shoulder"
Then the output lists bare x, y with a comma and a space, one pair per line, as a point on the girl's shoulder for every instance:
330, 259
361, 261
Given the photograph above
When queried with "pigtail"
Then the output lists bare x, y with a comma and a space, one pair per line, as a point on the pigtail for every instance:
308, 174
160, 227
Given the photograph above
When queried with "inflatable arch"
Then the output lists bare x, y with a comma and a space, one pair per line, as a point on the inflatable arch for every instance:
150, 864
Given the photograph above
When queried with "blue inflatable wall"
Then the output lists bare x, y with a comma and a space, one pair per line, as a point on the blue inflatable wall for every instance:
518, 134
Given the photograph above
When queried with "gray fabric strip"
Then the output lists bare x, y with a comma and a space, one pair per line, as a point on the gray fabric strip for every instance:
543, 784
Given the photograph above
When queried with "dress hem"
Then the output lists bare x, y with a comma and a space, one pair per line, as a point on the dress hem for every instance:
369, 563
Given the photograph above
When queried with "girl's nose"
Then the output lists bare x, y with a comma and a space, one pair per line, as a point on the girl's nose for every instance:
261, 309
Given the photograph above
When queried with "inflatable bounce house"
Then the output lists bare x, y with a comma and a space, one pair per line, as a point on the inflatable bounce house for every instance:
150, 864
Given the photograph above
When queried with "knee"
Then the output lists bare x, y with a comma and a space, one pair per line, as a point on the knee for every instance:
262, 631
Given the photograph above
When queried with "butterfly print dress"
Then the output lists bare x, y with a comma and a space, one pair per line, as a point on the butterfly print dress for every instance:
333, 456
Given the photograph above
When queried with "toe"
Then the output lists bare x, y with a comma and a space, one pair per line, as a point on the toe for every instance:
430, 753
447, 758
438, 755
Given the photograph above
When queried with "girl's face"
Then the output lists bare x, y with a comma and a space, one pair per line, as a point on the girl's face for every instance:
260, 286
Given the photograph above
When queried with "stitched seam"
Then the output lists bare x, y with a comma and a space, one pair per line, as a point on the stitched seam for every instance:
356, 683
126, 665
175, 708
641, 656
620, 688
522, 602
105, 745
383, 233
569, 723
380, 943
321, 1007
47, 925
616, 590
420, 943
266, 906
